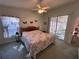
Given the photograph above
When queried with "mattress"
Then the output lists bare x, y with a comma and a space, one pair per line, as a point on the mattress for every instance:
35, 41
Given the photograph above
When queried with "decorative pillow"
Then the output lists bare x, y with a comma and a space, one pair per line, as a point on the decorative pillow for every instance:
29, 28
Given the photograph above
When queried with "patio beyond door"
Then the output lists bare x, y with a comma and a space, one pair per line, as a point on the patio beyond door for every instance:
58, 26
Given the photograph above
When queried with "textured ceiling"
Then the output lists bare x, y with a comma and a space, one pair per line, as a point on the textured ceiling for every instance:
29, 4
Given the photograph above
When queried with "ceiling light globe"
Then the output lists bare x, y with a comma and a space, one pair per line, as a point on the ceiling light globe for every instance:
40, 11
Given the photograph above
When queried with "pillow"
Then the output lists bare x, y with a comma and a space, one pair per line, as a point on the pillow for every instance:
29, 28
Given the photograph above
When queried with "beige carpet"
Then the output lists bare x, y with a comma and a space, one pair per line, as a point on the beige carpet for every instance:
58, 51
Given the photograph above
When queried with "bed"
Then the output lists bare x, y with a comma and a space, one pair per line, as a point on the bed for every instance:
35, 40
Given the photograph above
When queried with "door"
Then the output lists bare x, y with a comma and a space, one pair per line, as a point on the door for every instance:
58, 26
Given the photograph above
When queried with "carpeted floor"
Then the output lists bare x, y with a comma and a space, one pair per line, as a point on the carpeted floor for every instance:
58, 51
12, 50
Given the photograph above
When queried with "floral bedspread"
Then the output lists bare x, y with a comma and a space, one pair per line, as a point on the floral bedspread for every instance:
36, 40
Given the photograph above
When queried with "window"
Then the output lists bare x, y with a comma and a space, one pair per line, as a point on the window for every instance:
10, 26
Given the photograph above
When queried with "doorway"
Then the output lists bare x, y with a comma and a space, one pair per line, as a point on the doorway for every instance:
58, 26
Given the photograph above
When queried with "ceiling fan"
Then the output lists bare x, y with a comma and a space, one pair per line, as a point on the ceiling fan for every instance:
40, 8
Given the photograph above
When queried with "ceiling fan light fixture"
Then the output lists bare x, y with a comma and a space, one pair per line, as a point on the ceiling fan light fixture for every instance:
40, 11
40, 8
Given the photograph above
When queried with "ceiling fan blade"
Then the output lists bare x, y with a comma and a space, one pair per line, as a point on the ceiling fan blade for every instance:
45, 7
38, 6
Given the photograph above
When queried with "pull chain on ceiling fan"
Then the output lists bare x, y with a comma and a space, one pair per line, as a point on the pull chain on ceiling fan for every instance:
39, 8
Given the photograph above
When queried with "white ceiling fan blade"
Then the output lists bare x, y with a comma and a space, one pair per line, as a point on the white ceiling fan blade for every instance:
45, 7
38, 6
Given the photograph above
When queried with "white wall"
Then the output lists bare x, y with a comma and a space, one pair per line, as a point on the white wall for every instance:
24, 15
72, 10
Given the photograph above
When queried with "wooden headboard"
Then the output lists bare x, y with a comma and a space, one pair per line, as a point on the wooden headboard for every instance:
29, 28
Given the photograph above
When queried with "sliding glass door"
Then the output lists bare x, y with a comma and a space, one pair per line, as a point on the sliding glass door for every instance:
58, 26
